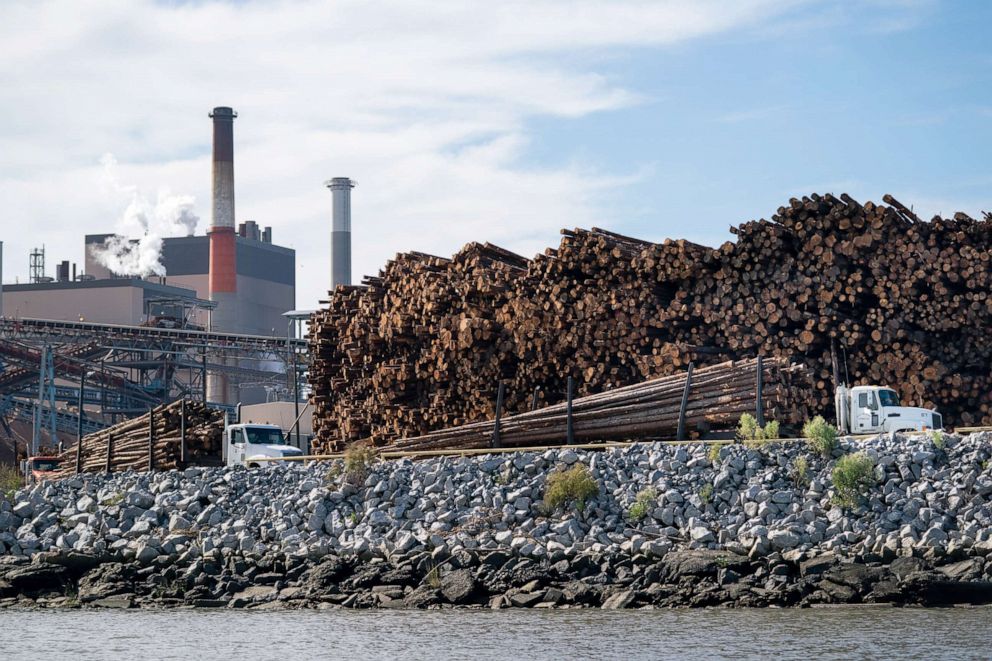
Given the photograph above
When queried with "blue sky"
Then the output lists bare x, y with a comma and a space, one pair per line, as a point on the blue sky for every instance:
731, 126
467, 120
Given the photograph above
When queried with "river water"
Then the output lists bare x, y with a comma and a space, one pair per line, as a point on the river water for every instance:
777, 635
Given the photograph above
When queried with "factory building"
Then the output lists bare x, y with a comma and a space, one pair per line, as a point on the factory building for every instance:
265, 273
118, 301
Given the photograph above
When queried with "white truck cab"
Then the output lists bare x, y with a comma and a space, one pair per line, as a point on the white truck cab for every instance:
876, 409
245, 443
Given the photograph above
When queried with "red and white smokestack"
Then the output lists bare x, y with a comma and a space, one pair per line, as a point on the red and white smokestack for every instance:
222, 278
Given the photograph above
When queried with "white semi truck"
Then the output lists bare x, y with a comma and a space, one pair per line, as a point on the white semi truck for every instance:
246, 443
876, 409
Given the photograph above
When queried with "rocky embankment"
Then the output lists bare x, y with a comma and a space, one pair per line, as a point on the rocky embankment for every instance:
670, 526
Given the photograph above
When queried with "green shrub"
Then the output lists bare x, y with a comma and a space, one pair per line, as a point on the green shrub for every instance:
938, 439
747, 428
821, 436
646, 499
799, 472
706, 494
714, 453
10, 481
572, 486
357, 462
750, 432
852, 476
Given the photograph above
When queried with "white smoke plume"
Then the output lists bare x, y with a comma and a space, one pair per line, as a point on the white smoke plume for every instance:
136, 247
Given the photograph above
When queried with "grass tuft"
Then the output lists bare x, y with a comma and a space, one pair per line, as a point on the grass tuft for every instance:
10, 481
358, 460
799, 472
570, 487
646, 500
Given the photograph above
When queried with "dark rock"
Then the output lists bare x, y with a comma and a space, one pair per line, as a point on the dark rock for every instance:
106, 581
525, 599
75, 561
399, 576
326, 574
268, 578
727, 576
119, 601
818, 565
580, 592
32, 579
496, 559
931, 588
837, 593
855, 576
903, 567
423, 597
963, 570
701, 562
621, 599
457, 586
886, 591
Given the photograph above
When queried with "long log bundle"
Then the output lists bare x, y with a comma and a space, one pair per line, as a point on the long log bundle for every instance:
717, 396
899, 302
151, 441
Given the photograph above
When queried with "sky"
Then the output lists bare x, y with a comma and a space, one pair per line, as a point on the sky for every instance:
484, 121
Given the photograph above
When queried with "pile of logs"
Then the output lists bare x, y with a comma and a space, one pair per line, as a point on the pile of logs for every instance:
714, 396
155, 440
899, 301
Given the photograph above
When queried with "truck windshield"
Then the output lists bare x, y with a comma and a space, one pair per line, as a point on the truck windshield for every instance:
45, 465
888, 397
264, 436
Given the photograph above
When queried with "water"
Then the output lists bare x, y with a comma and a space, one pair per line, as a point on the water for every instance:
779, 635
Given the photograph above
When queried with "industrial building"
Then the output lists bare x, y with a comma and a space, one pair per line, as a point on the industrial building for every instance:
126, 301
265, 278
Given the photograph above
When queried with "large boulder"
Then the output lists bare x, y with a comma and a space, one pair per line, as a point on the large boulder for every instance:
457, 586
701, 562
106, 581
327, 574
37, 578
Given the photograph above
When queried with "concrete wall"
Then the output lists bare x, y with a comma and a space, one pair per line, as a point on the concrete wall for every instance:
112, 305
115, 301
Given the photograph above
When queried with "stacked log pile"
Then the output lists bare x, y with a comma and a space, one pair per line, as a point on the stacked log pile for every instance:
129, 448
717, 396
903, 302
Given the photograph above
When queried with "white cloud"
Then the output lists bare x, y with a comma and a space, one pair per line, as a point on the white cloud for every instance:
425, 103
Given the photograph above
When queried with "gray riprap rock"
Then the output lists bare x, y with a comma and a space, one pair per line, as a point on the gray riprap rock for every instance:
701, 534
783, 539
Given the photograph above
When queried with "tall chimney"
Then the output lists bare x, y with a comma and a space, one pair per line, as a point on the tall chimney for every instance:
341, 231
222, 278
